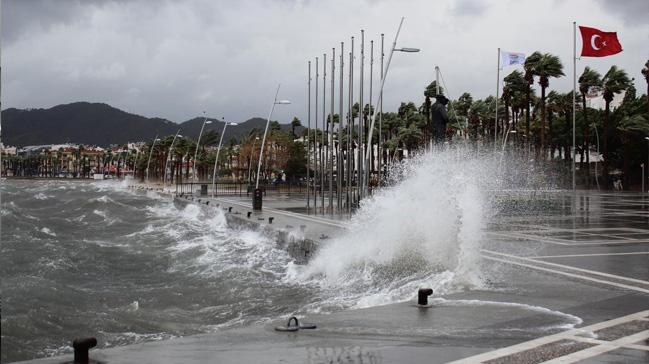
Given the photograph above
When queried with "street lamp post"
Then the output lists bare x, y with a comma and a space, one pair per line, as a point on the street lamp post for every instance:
171, 147
123, 155
198, 142
647, 139
257, 197
252, 153
596, 160
502, 153
642, 166
149, 160
380, 93
137, 156
218, 151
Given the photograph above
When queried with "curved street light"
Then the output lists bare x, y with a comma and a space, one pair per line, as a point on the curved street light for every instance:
198, 142
257, 195
252, 152
598, 155
150, 153
216, 160
407, 50
366, 158
171, 147
647, 164
502, 152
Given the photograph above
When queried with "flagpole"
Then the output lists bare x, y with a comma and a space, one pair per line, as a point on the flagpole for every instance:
436, 80
370, 161
361, 122
574, 93
316, 153
380, 148
339, 150
351, 166
308, 148
497, 91
330, 137
323, 156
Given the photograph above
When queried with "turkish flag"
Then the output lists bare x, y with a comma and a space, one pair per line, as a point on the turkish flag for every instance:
596, 43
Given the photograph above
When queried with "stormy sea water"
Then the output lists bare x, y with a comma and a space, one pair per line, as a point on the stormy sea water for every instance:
85, 258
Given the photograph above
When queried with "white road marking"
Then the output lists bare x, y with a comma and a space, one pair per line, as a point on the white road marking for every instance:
570, 267
569, 334
585, 255
599, 349
619, 285
600, 342
566, 242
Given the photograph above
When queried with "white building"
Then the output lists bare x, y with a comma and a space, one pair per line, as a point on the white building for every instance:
8, 150
595, 100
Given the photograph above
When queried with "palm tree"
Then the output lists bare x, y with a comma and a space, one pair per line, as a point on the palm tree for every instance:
614, 81
410, 136
553, 106
514, 86
474, 119
589, 78
632, 127
530, 72
430, 92
462, 107
567, 105
294, 124
547, 66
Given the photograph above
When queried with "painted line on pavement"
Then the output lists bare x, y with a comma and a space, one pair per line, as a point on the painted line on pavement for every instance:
602, 342
569, 334
585, 255
607, 275
568, 242
599, 349
578, 276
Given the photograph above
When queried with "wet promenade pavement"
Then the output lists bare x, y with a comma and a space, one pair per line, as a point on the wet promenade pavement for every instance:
573, 288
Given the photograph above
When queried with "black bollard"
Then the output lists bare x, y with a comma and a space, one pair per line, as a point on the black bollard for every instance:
81, 347
249, 213
423, 296
270, 220
230, 209
257, 199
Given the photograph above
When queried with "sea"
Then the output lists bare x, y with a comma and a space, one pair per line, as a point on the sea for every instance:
97, 258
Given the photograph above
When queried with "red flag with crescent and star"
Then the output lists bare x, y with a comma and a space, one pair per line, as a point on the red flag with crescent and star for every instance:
596, 43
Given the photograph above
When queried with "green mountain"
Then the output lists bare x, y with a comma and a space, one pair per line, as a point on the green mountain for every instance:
103, 125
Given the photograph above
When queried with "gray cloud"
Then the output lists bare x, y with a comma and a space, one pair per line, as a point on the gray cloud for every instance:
632, 11
25, 17
469, 8
175, 59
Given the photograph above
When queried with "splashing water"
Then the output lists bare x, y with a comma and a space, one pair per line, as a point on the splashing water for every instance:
426, 230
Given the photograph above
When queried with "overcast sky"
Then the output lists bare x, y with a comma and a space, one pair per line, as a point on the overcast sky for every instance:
174, 59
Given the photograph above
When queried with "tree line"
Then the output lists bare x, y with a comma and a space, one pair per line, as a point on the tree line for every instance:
538, 124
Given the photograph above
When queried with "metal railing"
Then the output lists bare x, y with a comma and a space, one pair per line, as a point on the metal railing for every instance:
240, 189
